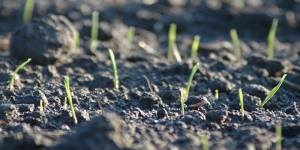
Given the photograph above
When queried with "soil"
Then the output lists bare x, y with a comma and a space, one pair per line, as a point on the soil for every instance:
144, 112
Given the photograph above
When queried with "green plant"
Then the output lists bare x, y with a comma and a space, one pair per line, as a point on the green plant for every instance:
205, 144
278, 135
114, 67
41, 105
217, 94
76, 42
172, 38
129, 37
187, 89
182, 97
242, 104
271, 38
68, 91
272, 92
195, 46
94, 31
12, 80
28, 9
236, 42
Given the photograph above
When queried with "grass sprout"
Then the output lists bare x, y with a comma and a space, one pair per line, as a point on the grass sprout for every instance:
76, 39
28, 9
195, 46
236, 42
114, 67
69, 96
41, 105
271, 38
129, 37
12, 80
273, 91
187, 89
94, 31
242, 104
205, 144
182, 97
217, 94
278, 131
172, 38
176, 53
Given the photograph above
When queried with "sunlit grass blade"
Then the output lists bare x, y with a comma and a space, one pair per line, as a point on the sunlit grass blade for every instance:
94, 31
28, 9
12, 80
76, 39
172, 39
69, 96
241, 104
217, 94
195, 46
195, 68
114, 67
271, 38
236, 42
129, 37
205, 144
278, 135
273, 91
182, 97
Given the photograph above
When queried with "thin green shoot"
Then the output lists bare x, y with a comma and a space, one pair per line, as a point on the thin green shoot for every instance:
217, 94
76, 39
182, 97
205, 144
129, 37
28, 9
41, 106
187, 89
176, 53
12, 80
236, 42
172, 38
69, 96
114, 67
195, 46
278, 135
242, 104
272, 92
94, 31
271, 38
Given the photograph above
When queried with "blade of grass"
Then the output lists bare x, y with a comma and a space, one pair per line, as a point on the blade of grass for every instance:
76, 42
28, 9
69, 96
195, 46
241, 104
129, 37
94, 31
205, 145
236, 42
278, 135
195, 68
114, 67
172, 38
182, 97
217, 94
273, 91
271, 38
12, 80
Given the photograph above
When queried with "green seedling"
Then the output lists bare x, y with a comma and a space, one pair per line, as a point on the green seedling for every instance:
236, 42
41, 105
76, 42
278, 135
12, 80
182, 97
114, 67
195, 46
217, 94
271, 38
94, 31
129, 37
69, 96
28, 9
205, 144
272, 92
187, 89
242, 104
172, 38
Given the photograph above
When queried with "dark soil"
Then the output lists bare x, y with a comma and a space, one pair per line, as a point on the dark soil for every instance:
144, 113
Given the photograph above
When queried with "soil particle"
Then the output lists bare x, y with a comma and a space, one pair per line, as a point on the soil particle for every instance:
218, 116
150, 101
46, 40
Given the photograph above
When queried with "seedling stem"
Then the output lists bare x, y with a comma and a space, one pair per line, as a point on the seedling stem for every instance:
11, 83
114, 67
